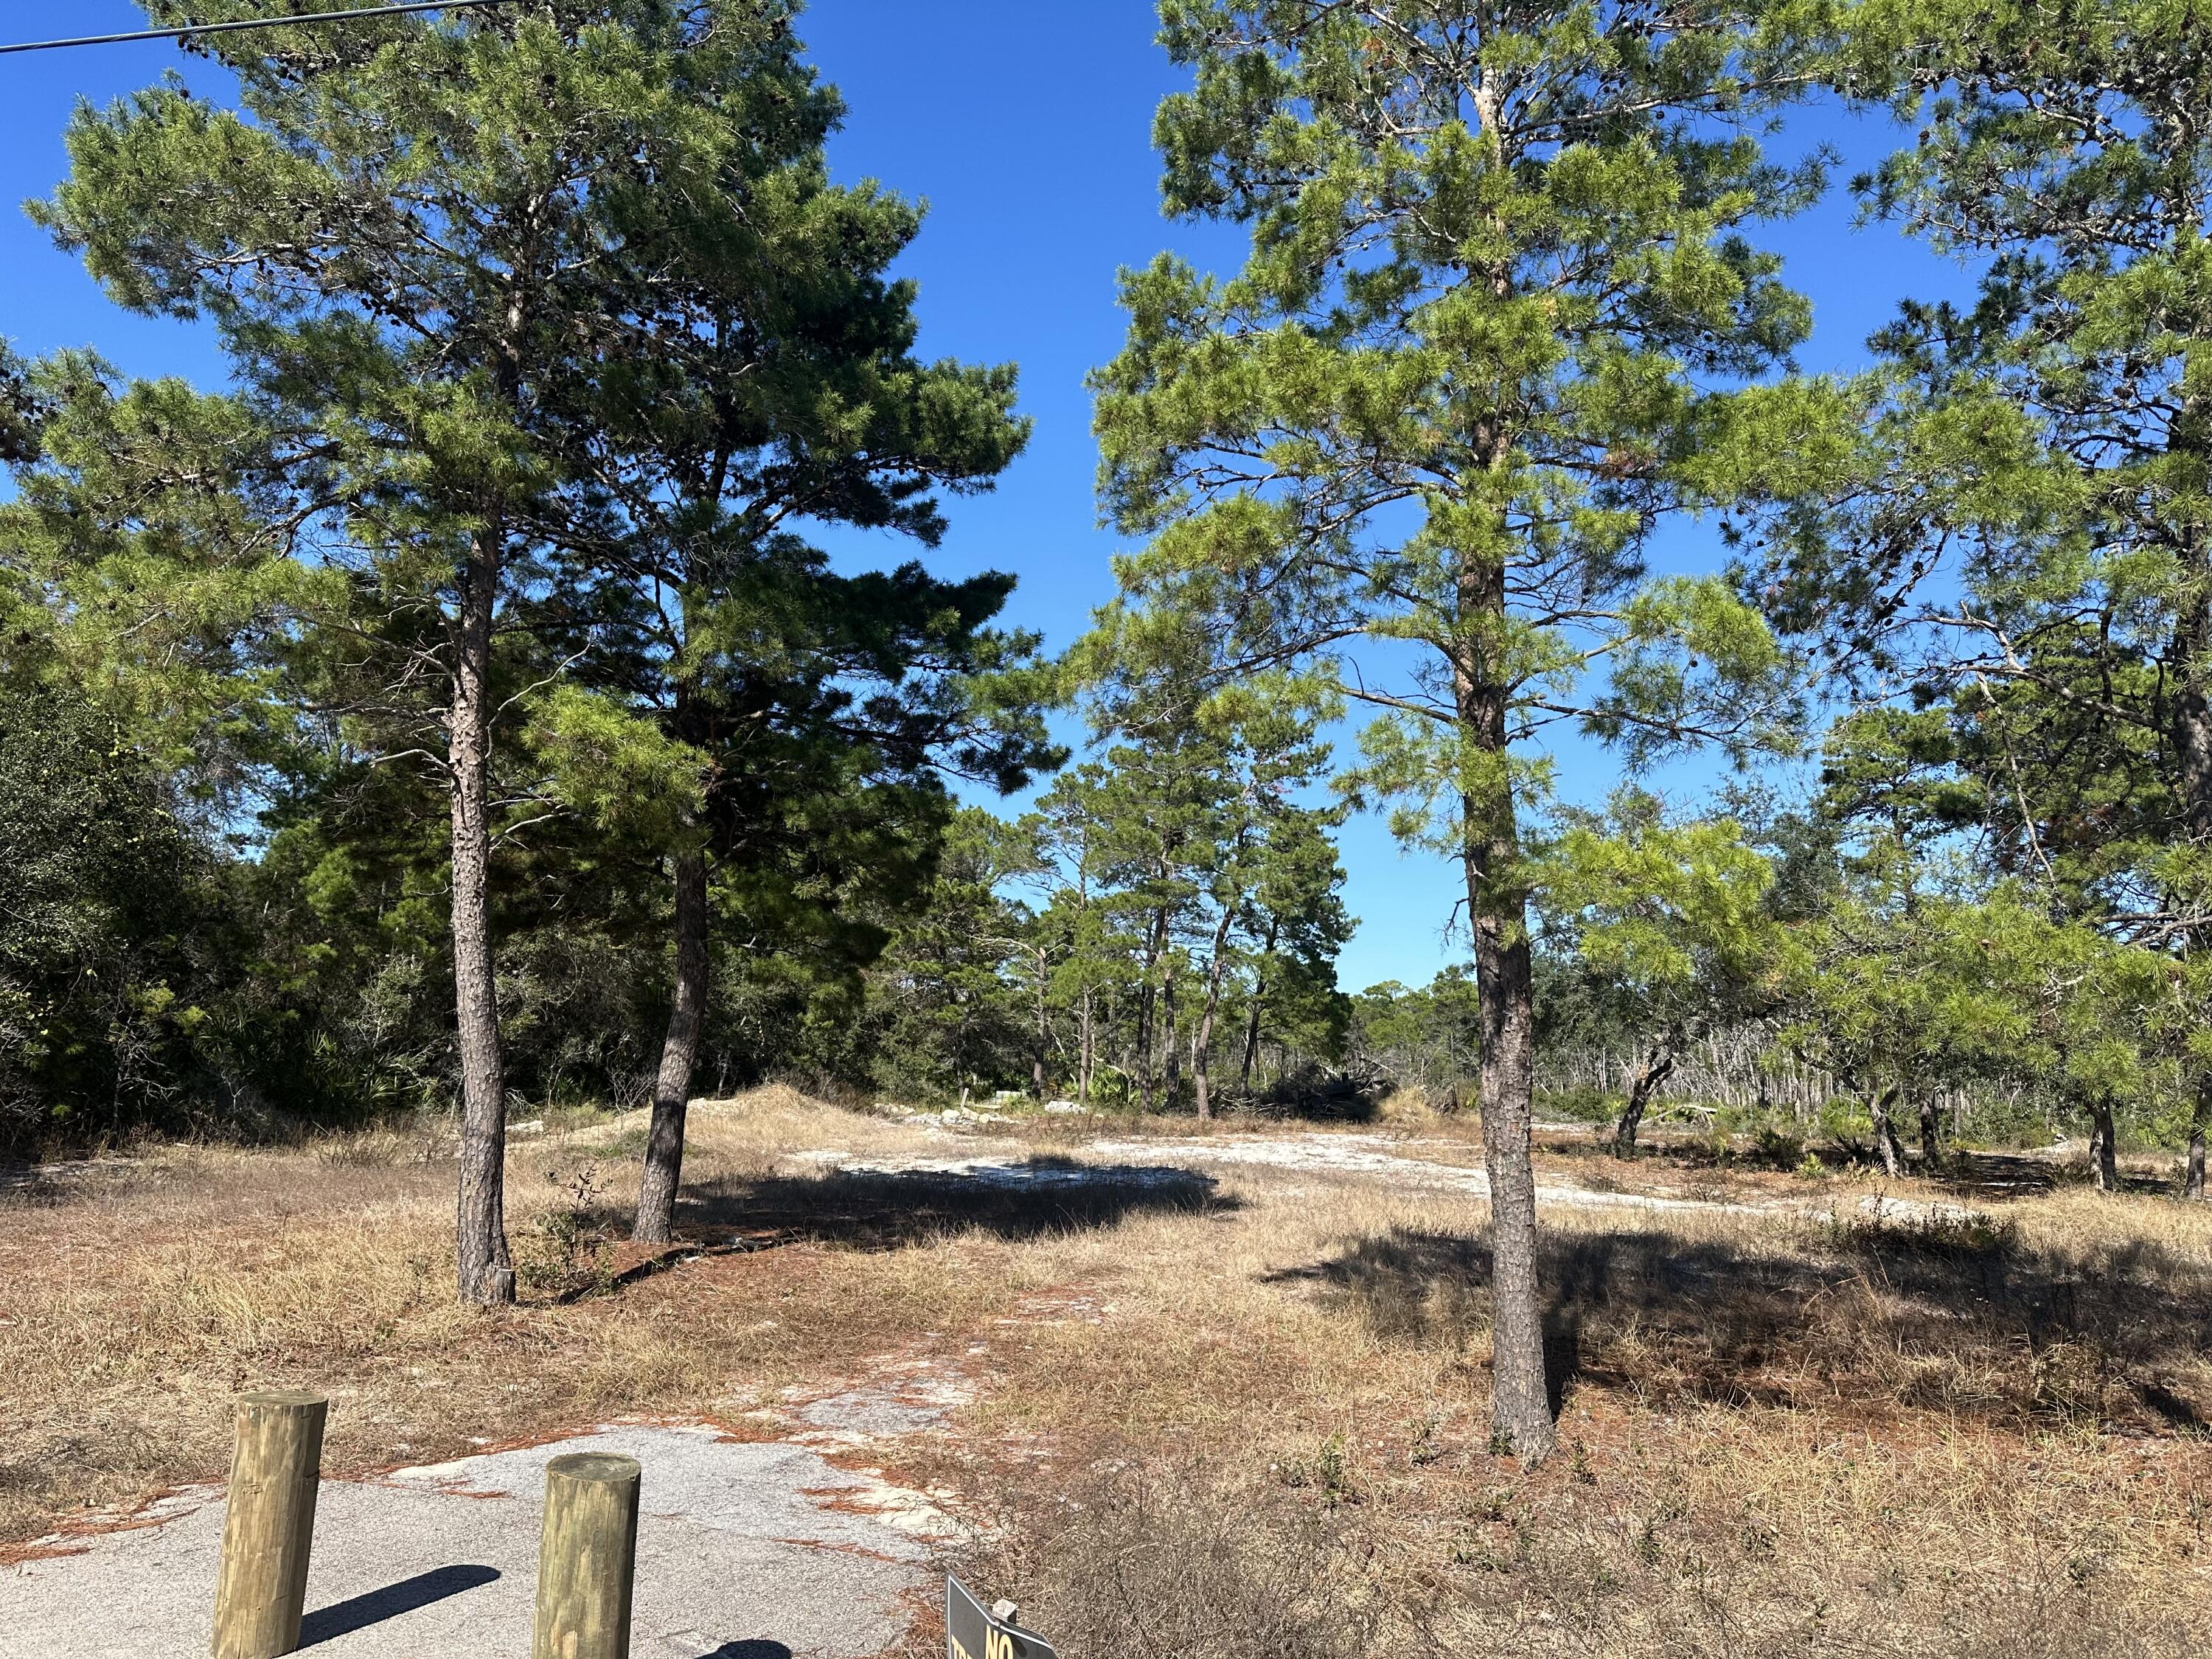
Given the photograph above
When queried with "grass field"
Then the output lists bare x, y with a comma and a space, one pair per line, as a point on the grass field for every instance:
1230, 1413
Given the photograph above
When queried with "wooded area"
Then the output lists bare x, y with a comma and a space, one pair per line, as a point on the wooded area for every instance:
456, 710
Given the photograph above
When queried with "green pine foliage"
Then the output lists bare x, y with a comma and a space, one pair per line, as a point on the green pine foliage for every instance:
1501, 300
458, 696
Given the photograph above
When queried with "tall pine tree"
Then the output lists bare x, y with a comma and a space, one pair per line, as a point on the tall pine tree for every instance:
2031, 533
434, 246
1498, 258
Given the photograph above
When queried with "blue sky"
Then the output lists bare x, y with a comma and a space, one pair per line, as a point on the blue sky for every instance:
1026, 125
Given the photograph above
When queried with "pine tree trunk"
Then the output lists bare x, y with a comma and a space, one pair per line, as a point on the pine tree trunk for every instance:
1147, 1010
2193, 739
1521, 1409
2104, 1152
1170, 1056
1259, 999
1884, 1132
1201, 1049
2192, 706
679, 1049
2192, 1178
1083, 1054
1497, 908
1932, 1150
483, 1271
1201, 1054
1039, 1060
1656, 1068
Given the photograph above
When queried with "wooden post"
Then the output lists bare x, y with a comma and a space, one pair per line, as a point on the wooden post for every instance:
270, 1524
586, 1558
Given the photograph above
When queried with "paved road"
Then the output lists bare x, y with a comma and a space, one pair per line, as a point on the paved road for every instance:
745, 1551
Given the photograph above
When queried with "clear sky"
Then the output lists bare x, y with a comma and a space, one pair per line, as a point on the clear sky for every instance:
1025, 125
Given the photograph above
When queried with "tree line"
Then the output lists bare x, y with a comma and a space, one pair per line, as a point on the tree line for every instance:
457, 705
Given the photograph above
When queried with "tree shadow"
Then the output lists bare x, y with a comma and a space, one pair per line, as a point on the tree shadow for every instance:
1966, 1172
360, 1611
757, 1649
1959, 1318
1997, 1175
873, 1210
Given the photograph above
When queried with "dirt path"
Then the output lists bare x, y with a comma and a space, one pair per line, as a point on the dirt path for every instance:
1380, 1157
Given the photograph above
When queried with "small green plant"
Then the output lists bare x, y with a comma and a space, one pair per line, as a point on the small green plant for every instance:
570, 1253
1334, 1479
1777, 1148
1329, 1472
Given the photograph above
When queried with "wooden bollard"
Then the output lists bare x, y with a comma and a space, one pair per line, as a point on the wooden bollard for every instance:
587, 1558
270, 1525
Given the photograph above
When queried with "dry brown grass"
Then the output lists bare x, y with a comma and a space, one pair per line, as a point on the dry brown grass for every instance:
1231, 1420
1749, 1465
136, 1300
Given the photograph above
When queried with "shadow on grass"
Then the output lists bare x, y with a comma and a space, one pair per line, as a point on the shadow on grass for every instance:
1999, 1175
871, 1210
1962, 1320
1989, 1177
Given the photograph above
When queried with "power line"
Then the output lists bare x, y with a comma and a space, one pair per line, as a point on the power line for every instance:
254, 24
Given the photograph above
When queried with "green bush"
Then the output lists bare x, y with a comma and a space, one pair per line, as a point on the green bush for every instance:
1584, 1105
115, 971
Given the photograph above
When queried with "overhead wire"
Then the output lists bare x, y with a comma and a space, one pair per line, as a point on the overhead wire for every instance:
194, 30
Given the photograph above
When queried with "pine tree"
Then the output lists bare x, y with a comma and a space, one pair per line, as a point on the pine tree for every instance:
949, 1016
1296, 925
726, 638
1498, 255
1902, 987
780, 390
150, 567
1673, 917
2030, 532
1064, 863
1196, 810
427, 244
